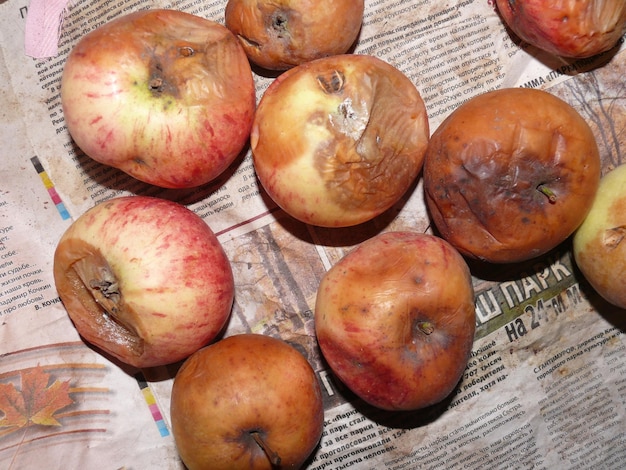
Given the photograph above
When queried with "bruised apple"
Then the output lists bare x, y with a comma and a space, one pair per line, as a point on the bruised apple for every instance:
163, 95
600, 242
570, 28
144, 279
246, 402
278, 35
510, 174
395, 320
339, 140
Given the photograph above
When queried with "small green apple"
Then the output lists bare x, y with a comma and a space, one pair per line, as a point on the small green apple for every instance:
600, 242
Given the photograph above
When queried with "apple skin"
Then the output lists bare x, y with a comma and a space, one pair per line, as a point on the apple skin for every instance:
164, 96
245, 384
144, 279
337, 141
572, 29
599, 244
278, 35
490, 168
395, 320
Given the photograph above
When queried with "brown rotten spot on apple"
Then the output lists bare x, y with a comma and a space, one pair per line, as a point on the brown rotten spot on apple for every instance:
614, 236
143, 279
278, 22
338, 141
375, 139
91, 287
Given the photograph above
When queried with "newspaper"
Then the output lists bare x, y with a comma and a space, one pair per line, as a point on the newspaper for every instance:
545, 386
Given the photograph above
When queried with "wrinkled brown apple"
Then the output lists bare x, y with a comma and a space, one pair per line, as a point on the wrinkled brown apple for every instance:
570, 28
279, 34
395, 319
600, 242
339, 140
510, 174
246, 402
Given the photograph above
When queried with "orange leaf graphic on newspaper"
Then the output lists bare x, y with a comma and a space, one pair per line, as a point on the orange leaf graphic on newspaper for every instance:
35, 403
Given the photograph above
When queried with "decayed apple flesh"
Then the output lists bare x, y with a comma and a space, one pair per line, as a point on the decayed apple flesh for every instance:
143, 279
92, 287
339, 140
510, 174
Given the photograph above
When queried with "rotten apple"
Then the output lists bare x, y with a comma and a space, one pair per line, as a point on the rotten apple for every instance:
510, 174
599, 244
248, 401
163, 95
339, 140
395, 319
278, 35
572, 28
144, 279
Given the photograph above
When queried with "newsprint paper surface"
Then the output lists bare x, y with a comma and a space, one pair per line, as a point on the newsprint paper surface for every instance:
545, 387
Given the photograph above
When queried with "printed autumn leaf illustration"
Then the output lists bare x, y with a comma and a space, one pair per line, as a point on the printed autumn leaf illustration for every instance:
36, 402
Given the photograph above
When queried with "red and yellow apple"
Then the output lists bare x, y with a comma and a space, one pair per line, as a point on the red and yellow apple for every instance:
163, 95
571, 28
246, 402
339, 140
510, 174
278, 35
395, 320
599, 244
144, 279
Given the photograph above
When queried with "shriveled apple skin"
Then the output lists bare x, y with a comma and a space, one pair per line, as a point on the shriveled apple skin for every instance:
493, 165
395, 320
567, 28
599, 244
163, 95
280, 34
337, 141
243, 384
175, 283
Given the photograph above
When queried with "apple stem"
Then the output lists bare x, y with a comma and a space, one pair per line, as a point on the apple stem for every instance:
108, 288
542, 188
426, 327
186, 51
156, 83
333, 83
106, 293
273, 456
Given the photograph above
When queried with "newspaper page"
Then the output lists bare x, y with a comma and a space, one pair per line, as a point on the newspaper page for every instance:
545, 386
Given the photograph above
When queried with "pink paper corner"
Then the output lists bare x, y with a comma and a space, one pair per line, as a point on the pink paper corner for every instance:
43, 25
